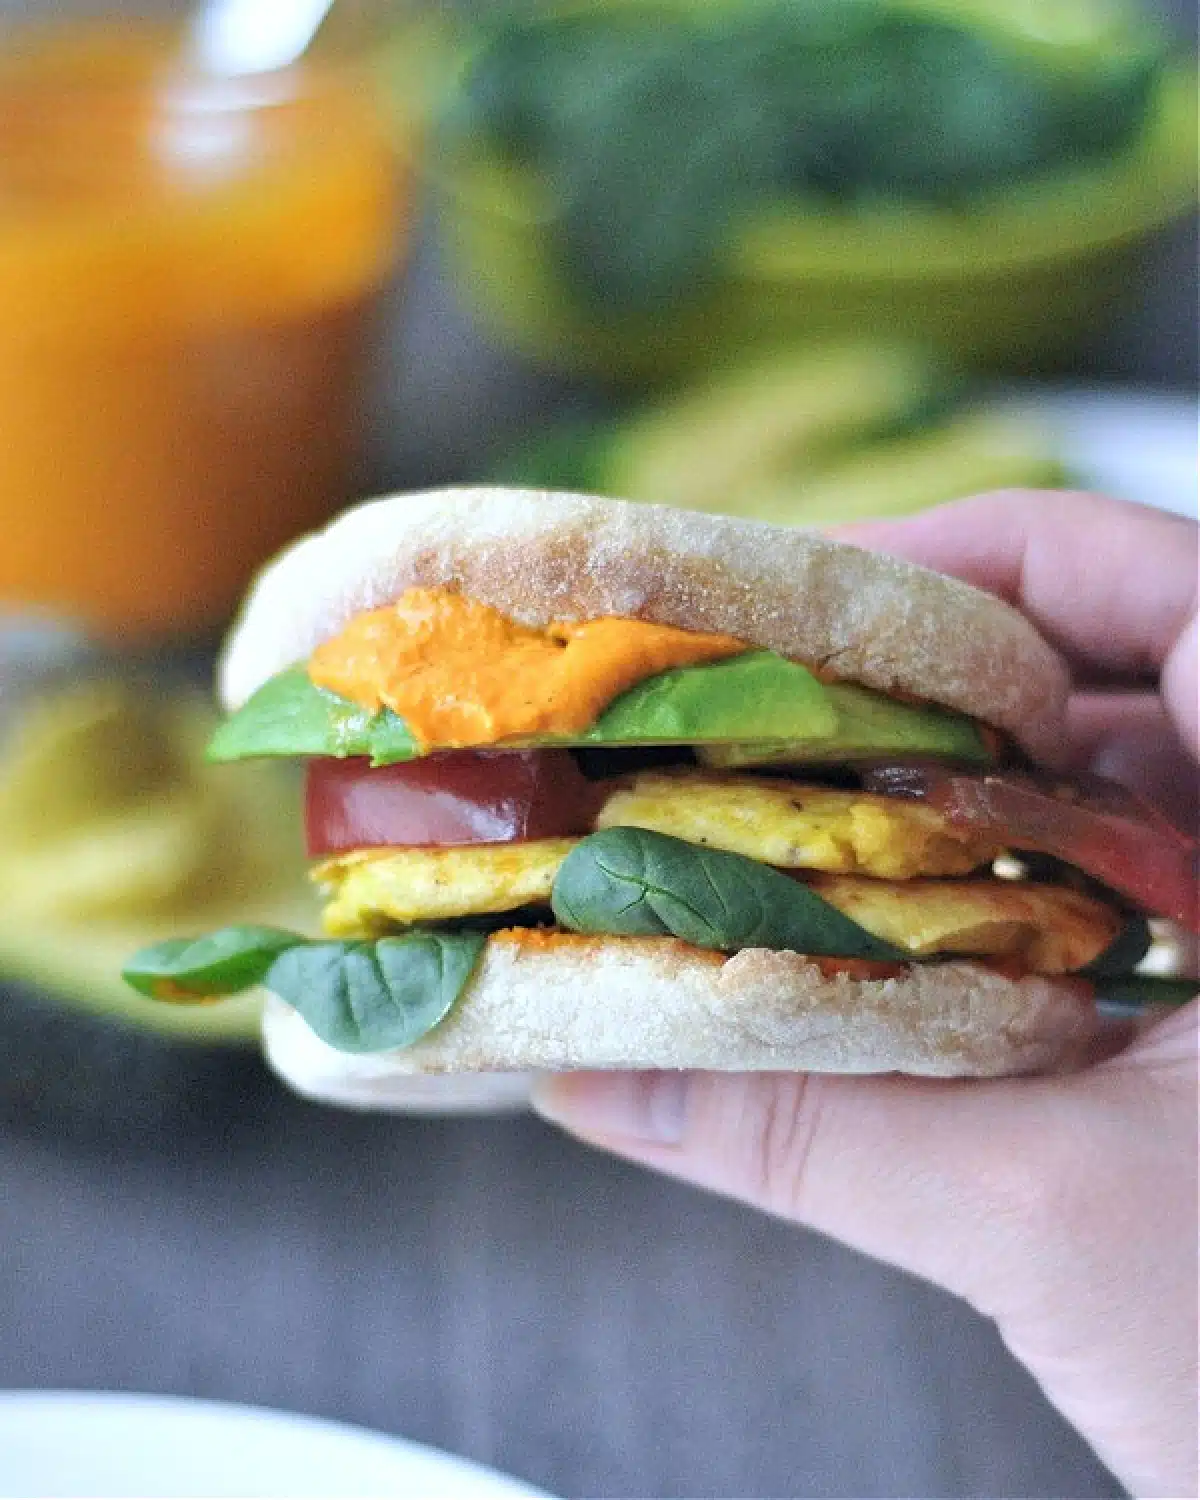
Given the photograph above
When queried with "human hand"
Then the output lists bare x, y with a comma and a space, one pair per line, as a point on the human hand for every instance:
1064, 1208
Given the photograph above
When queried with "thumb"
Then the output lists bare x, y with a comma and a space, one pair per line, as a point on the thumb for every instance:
940, 1178
1064, 1208
883, 1164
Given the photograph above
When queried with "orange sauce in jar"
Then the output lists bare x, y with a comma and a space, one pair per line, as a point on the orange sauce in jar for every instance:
188, 270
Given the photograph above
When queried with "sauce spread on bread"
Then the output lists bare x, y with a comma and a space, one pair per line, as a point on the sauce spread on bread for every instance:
553, 940
459, 672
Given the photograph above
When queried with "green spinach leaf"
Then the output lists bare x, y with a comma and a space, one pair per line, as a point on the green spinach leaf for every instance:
1129, 996
633, 883
224, 962
373, 997
1124, 953
358, 997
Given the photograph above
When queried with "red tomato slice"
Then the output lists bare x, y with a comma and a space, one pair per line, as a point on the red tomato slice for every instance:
1097, 826
467, 797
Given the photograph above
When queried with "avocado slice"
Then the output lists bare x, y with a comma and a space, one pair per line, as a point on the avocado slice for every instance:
761, 699
974, 451
866, 725
750, 424
117, 834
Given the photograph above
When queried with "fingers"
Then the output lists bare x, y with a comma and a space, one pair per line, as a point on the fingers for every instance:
930, 1176
960, 1182
1179, 679
1166, 1041
1111, 583
1064, 1208
1130, 738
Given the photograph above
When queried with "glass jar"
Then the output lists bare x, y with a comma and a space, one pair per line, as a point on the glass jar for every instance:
196, 224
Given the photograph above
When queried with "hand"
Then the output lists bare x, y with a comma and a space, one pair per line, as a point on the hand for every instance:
1064, 1208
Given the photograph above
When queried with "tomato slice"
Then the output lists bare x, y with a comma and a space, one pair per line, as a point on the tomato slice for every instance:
466, 797
1098, 826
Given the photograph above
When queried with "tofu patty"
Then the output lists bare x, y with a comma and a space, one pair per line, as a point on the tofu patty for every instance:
1049, 928
795, 826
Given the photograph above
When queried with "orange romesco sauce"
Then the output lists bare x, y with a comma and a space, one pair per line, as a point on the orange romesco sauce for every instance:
554, 939
548, 939
460, 673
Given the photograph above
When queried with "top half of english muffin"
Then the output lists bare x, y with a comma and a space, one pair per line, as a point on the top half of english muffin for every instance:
540, 556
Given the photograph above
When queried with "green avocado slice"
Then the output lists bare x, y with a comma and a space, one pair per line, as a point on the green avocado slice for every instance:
757, 424
715, 702
867, 724
290, 715
751, 709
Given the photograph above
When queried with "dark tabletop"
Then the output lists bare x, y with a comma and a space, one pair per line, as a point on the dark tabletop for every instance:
488, 1286
492, 1288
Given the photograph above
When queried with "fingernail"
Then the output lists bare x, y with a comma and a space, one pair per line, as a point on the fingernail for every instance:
646, 1107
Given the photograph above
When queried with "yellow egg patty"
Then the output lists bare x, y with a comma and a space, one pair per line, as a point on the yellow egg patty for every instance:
795, 826
1049, 928
373, 889
788, 824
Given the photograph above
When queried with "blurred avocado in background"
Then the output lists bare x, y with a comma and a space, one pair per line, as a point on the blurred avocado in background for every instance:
117, 833
636, 188
829, 433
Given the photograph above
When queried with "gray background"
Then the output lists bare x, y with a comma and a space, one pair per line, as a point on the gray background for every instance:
498, 1291
488, 1286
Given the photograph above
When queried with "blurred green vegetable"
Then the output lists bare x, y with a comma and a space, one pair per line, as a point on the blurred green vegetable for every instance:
356, 996
562, 455
631, 882
637, 186
651, 132
753, 423
118, 834
830, 433
965, 454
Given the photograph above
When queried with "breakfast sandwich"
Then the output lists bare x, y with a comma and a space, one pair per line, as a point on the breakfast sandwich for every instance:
599, 785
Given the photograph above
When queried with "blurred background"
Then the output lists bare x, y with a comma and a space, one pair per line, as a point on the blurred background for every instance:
805, 260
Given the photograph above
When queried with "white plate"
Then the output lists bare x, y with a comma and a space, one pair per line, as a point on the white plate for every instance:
90, 1446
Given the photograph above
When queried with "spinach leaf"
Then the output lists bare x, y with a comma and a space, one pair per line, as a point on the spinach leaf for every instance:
372, 997
358, 997
236, 958
630, 882
1126, 997
1124, 953
652, 134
